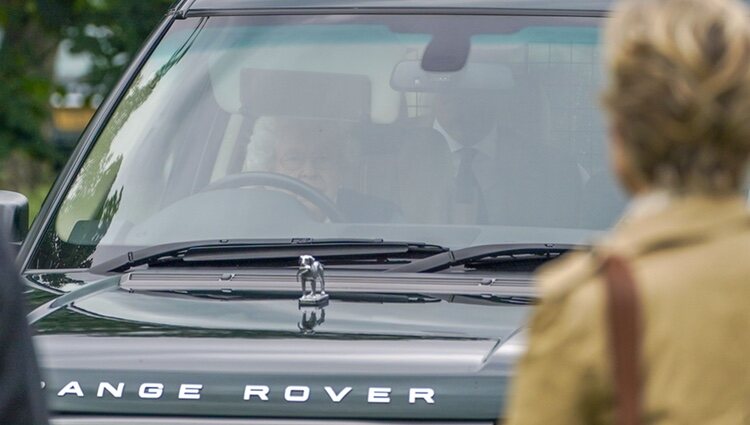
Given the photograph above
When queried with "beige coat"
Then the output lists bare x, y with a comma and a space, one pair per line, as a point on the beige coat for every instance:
691, 259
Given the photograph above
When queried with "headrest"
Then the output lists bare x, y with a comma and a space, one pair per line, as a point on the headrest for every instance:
304, 94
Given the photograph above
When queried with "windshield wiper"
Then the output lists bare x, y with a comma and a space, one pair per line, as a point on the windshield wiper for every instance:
265, 250
486, 254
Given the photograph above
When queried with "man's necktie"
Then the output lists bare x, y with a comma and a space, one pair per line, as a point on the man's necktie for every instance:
468, 190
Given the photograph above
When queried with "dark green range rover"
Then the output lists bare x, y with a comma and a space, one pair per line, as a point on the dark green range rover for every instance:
305, 211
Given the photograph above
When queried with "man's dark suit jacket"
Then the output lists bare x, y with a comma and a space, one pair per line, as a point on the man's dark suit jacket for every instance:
21, 400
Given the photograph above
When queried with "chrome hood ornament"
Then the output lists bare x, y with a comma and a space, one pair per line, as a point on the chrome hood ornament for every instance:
309, 273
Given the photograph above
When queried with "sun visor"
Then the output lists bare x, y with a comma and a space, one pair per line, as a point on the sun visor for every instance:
292, 51
304, 94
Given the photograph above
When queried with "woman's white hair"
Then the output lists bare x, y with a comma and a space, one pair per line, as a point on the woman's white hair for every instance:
268, 130
260, 154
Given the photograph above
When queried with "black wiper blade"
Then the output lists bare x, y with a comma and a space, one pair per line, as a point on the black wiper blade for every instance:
266, 249
448, 259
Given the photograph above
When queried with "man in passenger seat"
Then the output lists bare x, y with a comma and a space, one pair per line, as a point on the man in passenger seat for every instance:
503, 175
467, 121
319, 153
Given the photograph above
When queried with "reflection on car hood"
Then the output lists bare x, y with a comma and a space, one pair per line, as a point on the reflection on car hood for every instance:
126, 305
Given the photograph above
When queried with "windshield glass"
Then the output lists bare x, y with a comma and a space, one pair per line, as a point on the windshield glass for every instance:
330, 127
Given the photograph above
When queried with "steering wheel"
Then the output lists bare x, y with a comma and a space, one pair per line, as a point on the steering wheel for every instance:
280, 181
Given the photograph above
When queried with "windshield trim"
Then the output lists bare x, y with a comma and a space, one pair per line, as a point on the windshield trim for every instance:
457, 11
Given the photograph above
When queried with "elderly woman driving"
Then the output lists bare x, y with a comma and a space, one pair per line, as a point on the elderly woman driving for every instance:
319, 153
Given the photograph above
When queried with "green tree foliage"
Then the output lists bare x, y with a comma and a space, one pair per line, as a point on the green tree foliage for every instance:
109, 31
31, 33
112, 31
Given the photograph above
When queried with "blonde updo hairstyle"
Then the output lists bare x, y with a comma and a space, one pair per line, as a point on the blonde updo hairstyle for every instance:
678, 94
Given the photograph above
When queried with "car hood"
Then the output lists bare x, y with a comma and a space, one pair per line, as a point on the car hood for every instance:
110, 350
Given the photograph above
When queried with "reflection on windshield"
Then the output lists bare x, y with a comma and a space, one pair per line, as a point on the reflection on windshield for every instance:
352, 138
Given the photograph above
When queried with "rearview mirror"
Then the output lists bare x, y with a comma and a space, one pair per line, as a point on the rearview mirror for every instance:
14, 217
409, 76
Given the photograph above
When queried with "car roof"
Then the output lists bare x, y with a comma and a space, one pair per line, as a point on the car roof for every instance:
541, 6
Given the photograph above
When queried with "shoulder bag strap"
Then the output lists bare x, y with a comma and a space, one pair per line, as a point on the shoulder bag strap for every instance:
623, 316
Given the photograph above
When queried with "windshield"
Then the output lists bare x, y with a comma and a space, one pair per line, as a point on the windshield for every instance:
331, 127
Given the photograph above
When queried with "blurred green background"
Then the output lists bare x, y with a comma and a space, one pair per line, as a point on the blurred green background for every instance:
58, 60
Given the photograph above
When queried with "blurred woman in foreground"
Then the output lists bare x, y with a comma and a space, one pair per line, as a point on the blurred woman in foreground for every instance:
679, 111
